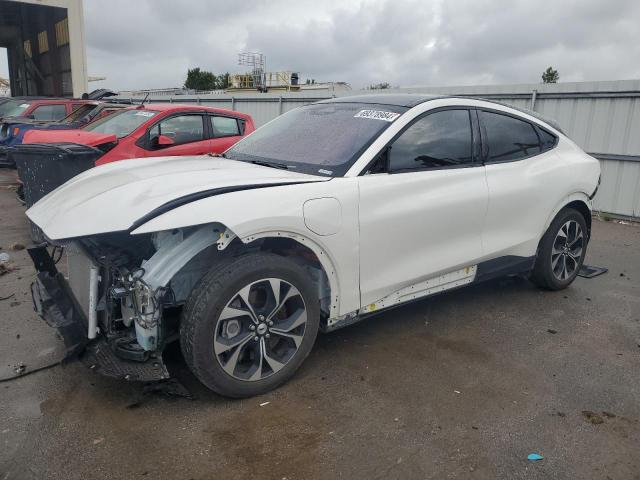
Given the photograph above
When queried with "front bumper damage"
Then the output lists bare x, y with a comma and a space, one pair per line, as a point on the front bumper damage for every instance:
106, 353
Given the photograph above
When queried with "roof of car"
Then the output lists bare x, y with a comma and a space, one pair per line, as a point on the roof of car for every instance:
168, 107
397, 99
50, 100
410, 100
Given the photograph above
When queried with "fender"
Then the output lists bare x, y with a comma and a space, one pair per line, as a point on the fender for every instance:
575, 196
279, 212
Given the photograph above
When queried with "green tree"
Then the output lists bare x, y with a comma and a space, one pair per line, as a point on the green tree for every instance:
223, 81
200, 80
550, 76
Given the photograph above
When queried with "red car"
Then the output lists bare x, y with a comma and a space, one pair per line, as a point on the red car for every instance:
46, 109
155, 130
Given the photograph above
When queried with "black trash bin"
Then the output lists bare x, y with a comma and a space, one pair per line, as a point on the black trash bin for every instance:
43, 167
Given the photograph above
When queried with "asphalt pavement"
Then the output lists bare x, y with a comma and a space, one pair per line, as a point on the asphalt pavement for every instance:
465, 385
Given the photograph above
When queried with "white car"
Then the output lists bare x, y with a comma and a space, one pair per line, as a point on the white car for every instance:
327, 214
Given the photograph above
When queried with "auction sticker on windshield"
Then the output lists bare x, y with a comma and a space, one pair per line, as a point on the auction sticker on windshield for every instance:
377, 115
145, 114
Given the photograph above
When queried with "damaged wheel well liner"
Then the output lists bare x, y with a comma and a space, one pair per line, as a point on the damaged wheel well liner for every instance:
184, 256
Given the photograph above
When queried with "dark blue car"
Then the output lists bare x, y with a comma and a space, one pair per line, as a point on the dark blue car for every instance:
12, 130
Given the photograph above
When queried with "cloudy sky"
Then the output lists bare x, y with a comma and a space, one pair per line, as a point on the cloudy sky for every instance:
152, 43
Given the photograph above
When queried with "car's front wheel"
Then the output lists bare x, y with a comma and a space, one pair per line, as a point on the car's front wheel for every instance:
561, 251
249, 324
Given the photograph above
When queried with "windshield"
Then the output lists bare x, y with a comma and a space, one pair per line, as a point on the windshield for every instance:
121, 123
13, 108
319, 139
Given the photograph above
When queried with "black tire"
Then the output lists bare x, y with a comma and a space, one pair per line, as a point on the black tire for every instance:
200, 320
543, 272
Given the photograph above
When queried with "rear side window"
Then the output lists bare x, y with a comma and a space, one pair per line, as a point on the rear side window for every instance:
508, 138
49, 112
441, 139
224, 127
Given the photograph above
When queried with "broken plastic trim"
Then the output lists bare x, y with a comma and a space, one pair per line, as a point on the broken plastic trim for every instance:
54, 302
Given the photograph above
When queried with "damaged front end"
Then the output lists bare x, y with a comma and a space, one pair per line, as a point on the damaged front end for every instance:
119, 304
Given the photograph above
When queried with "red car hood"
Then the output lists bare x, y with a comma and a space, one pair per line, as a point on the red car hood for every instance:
68, 136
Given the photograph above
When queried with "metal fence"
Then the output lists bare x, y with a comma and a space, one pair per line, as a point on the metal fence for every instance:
602, 117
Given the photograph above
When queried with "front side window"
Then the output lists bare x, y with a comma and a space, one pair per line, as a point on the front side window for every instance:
121, 123
508, 138
181, 129
49, 112
224, 126
440, 139
319, 139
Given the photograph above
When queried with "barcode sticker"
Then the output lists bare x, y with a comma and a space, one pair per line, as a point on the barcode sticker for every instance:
377, 115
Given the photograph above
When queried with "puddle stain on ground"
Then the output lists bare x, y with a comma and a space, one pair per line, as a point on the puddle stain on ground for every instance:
286, 436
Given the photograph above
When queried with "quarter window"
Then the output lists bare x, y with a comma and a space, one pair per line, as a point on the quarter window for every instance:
547, 141
224, 127
441, 139
181, 129
49, 112
508, 138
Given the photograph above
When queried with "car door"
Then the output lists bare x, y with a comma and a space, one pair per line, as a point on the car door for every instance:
225, 131
422, 216
186, 133
522, 176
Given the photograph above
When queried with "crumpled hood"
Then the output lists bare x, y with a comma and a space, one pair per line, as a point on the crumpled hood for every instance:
82, 137
113, 197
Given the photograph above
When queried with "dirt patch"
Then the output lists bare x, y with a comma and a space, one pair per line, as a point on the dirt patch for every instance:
592, 417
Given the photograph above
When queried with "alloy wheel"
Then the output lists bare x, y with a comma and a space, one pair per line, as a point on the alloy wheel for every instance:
260, 329
567, 251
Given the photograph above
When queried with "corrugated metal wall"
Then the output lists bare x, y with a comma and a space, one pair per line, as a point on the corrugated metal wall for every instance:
602, 117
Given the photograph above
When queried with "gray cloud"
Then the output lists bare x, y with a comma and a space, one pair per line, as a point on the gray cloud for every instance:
402, 42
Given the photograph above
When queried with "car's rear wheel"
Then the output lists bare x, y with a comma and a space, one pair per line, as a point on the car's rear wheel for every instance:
249, 324
561, 251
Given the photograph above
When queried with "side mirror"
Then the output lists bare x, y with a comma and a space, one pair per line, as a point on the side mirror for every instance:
164, 141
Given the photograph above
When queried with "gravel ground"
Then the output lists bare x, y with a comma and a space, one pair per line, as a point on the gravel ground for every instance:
462, 385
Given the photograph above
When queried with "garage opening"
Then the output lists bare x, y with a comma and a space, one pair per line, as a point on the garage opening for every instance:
36, 41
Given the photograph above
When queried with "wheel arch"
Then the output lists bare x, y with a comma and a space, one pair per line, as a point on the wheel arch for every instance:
211, 243
306, 252
579, 201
